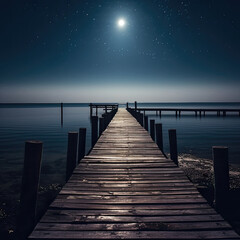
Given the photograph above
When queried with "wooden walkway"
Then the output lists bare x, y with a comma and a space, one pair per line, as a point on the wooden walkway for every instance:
127, 189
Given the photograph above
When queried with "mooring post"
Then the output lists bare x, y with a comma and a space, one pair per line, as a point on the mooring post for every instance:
104, 115
152, 129
141, 119
101, 126
29, 189
61, 114
81, 143
135, 103
71, 153
146, 122
159, 136
90, 105
221, 176
94, 130
173, 145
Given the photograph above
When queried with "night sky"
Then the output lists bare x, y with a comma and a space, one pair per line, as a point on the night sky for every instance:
76, 51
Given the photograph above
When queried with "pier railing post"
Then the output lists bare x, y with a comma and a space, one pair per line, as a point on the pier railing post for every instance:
29, 189
90, 105
71, 153
159, 136
94, 130
101, 126
141, 119
221, 176
81, 143
135, 104
152, 129
173, 145
146, 122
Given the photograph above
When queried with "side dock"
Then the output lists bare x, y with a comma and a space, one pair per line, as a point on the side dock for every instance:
126, 189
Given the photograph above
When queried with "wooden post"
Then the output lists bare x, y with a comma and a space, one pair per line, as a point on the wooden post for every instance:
176, 113
195, 113
81, 143
127, 105
135, 103
90, 105
61, 114
173, 145
141, 119
94, 130
104, 115
152, 129
71, 153
101, 126
159, 136
106, 109
96, 110
146, 122
160, 113
221, 176
29, 189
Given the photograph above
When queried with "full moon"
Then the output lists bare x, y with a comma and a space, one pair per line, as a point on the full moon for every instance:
121, 22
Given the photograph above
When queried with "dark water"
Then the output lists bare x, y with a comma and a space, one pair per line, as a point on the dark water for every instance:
21, 122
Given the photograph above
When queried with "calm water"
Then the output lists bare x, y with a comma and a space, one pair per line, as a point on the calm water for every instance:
19, 123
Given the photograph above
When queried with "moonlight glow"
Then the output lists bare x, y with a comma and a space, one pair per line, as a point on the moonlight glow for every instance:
121, 23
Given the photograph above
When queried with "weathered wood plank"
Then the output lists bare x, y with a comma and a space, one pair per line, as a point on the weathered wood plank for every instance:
226, 234
127, 189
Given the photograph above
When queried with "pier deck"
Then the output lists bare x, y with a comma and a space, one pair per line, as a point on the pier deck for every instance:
126, 189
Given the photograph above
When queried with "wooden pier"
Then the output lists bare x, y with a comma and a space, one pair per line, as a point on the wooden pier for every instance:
106, 107
126, 189
178, 111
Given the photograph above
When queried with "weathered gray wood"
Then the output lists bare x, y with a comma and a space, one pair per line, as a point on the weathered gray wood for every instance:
127, 189
29, 188
140, 234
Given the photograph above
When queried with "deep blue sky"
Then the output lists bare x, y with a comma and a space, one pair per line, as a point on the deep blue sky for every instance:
73, 51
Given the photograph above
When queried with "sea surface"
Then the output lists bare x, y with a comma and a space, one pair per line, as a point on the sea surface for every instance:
21, 122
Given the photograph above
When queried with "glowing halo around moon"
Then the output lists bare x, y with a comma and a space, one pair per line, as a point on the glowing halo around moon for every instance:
121, 22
